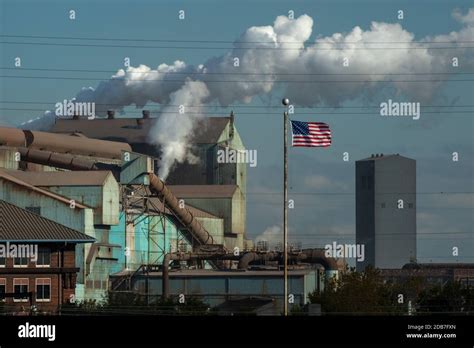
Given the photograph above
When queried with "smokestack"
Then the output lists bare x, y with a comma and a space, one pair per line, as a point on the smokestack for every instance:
146, 114
110, 114
231, 126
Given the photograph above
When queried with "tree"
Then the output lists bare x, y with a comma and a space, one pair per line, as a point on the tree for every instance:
358, 293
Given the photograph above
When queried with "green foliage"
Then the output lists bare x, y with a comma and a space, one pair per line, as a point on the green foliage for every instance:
367, 293
358, 292
452, 297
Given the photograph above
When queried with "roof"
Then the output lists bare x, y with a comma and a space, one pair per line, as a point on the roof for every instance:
17, 224
154, 204
381, 156
69, 178
12, 179
208, 130
203, 191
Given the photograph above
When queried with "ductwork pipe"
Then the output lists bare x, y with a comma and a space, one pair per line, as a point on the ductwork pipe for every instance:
248, 258
318, 256
306, 255
183, 214
62, 143
13, 137
57, 160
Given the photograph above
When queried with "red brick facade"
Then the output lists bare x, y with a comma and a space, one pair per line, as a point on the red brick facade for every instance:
59, 276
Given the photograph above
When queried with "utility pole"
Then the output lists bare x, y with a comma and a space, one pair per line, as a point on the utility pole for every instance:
285, 102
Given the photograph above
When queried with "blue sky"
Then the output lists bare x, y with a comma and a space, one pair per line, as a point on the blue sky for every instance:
443, 219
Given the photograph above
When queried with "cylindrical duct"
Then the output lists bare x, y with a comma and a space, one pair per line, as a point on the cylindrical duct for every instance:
183, 214
62, 143
57, 160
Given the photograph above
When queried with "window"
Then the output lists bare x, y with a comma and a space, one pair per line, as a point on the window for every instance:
43, 289
3, 289
20, 289
2, 261
44, 257
34, 210
20, 262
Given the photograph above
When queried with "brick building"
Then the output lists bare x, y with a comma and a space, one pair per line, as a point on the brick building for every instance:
44, 273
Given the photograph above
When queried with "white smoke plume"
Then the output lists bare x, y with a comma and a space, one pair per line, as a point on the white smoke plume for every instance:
40, 123
281, 54
171, 129
273, 235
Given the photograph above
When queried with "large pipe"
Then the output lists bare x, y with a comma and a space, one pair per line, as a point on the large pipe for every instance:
183, 214
62, 143
57, 160
12, 137
250, 257
318, 256
306, 255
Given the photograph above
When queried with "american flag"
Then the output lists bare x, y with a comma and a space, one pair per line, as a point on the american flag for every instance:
311, 134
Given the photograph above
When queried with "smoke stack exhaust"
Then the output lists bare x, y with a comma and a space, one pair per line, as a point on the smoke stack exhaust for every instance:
231, 128
110, 114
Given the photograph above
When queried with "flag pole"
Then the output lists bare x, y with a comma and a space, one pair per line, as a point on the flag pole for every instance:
285, 102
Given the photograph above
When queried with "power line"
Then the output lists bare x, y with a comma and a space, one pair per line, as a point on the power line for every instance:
230, 81
316, 234
258, 113
236, 48
244, 106
353, 193
242, 73
216, 41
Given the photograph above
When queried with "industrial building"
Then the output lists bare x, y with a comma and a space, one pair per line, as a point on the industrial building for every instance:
212, 134
107, 189
218, 287
386, 210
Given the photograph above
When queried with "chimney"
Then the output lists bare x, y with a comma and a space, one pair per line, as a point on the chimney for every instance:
110, 114
231, 126
146, 114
